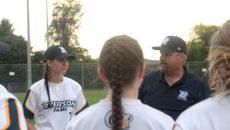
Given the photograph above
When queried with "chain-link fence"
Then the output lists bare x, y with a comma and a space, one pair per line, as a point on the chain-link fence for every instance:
14, 76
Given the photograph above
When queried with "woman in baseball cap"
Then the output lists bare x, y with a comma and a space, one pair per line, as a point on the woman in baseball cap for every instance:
53, 101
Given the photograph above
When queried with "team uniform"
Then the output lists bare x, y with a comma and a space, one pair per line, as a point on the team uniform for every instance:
137, 116
173, 99
11, 112
66, 99
210, 114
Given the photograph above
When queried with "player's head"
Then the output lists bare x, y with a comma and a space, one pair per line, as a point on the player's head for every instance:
57, 59
219, 59
120, 62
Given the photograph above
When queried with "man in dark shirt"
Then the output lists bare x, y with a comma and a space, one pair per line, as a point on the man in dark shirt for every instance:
172, 89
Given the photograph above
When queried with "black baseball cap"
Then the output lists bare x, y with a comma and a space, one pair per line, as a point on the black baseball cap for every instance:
4, 48
172, 44
57, 52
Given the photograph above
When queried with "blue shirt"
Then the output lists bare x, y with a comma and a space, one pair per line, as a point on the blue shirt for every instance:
173, 99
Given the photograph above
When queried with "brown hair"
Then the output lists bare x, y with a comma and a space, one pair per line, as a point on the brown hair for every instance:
46, 78
121, 58
219, 59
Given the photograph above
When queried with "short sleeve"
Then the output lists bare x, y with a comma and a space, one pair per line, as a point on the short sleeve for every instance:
30, 104
81, 101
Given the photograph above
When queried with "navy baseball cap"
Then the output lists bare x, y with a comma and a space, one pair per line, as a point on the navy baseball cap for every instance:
4, 48
57, 52
172, 44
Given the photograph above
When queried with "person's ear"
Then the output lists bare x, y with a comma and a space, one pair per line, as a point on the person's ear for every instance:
101, 74
182, 57
142, 71
49, 63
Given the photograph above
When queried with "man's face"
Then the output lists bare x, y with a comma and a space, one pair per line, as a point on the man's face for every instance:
170, 62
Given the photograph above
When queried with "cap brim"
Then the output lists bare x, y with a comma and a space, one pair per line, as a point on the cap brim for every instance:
156, 47
163, 49
4, 48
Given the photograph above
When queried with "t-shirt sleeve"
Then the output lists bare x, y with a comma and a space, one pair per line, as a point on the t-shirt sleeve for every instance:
30, 104
11, 115
185, 120
81, 101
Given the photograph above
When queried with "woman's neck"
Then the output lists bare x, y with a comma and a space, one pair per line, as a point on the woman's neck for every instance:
128, 92
54, 78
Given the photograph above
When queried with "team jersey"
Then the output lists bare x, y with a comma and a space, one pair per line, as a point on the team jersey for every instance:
210, 114
11, 112
137, 116
67, 99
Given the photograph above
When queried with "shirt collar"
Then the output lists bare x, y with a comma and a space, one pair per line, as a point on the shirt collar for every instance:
161, 78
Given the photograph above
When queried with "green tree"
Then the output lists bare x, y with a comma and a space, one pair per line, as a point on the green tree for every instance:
66, 20
198, 44
38, 57
17, 44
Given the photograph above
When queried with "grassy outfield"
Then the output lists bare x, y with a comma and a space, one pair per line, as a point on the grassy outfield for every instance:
92, 95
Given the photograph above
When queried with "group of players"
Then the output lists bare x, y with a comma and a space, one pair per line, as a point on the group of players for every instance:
169, 99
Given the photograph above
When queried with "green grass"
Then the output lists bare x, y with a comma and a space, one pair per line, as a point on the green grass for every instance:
92, 95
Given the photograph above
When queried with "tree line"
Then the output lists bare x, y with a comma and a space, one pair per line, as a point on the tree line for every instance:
66, 21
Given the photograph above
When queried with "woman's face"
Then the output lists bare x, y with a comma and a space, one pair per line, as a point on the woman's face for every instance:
58, 66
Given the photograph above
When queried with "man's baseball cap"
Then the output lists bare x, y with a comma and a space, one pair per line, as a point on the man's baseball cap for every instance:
57, 52
172, 44
4, 48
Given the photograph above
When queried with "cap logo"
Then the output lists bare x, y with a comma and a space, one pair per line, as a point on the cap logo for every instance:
165, 41
62, 49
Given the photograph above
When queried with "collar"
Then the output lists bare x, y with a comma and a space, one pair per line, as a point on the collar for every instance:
161, 77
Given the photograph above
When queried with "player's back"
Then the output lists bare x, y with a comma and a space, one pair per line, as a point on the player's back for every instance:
210, 114
137, 116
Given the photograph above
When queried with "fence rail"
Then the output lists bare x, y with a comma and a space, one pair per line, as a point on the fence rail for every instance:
14, 76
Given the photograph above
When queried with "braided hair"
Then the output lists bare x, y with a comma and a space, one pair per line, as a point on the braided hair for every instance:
121, 58
46, 78
219, 59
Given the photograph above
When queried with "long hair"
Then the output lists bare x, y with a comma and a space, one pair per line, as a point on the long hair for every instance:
219, 59
121, 58
46, 78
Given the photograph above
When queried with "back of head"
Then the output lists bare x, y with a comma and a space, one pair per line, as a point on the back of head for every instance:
219, 59
120, 59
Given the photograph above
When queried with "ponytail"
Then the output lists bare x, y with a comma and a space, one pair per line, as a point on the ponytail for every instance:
46, 77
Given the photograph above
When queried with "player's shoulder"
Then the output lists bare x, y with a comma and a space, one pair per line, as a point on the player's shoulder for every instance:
72, 83
155, 113
5, 94
156, 118
198, 109
38, 84
85, 116
3, 89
